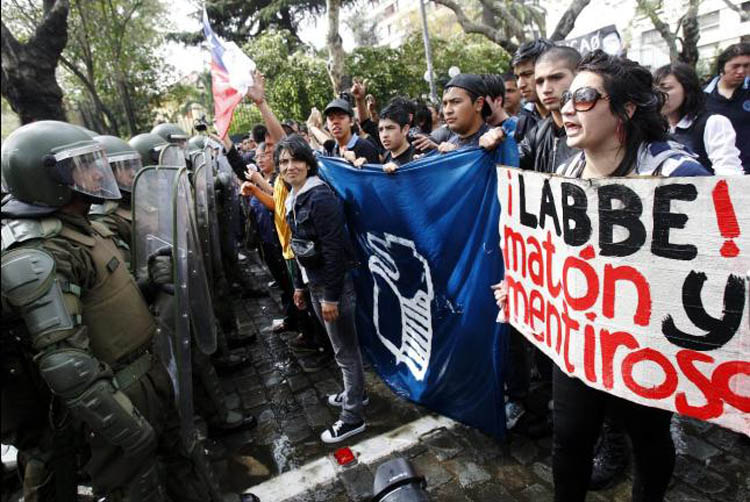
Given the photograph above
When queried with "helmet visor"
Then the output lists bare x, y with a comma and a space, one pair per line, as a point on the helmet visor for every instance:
125, 167
86, 170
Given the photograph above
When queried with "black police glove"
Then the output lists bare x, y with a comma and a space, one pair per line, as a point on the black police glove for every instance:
160, 269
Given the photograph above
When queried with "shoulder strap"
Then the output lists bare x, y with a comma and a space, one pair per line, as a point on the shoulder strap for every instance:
101, 229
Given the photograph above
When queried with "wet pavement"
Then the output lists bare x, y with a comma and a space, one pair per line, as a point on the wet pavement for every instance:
284, 459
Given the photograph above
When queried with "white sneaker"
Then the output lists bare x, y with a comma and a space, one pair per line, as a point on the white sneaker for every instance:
338, 399
340, 431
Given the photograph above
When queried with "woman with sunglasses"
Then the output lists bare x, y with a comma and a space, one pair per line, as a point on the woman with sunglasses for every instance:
612, 113
710, 135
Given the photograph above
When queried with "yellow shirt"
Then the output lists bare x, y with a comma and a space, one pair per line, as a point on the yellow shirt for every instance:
280, 193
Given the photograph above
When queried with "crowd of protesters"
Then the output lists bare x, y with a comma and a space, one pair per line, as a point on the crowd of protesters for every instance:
586, 117
594, 116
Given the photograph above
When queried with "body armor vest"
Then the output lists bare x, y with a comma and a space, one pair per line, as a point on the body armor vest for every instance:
115, 313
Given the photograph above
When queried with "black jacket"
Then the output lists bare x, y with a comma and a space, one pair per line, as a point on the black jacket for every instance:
318, 217
544, 148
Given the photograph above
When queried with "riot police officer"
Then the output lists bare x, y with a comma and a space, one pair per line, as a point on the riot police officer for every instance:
125, 162
85, 322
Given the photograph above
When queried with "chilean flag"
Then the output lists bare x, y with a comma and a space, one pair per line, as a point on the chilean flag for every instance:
231, 76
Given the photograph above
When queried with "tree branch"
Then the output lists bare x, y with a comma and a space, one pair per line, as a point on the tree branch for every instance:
661, 27
744, 16
471, 27
568, 20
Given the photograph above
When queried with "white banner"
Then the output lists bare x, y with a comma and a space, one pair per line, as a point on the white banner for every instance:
636, 286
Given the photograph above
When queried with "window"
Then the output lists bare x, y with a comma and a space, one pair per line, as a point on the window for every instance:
708, 21
651, 37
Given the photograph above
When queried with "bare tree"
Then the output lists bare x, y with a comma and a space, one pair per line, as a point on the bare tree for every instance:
28, 69
688, 42
506, 22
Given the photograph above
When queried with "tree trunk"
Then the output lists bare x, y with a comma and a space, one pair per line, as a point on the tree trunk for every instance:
28, 70
568, 20
690, 35
335, 47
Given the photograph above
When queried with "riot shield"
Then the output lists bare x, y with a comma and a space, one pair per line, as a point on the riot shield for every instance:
202, 175
172, 155
164, 221
153, 232
218, 266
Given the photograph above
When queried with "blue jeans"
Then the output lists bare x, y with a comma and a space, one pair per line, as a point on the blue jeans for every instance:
343, 335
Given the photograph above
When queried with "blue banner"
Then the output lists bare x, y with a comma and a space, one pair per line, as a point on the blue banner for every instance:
428, 245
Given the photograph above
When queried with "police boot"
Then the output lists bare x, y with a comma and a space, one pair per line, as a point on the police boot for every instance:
611, 457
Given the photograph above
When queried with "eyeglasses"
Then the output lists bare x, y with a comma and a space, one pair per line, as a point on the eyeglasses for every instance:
584, 98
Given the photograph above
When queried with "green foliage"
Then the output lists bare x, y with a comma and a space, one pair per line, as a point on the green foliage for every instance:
296, 80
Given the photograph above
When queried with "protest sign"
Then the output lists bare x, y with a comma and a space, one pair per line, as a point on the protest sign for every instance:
428, 248
636, 286
606, 39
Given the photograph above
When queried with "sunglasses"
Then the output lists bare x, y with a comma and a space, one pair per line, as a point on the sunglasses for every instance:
584, 98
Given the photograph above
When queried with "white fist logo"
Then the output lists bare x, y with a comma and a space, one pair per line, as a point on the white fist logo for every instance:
395, 262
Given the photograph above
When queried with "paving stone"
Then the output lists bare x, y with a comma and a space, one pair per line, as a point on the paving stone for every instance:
318, 418
544, 471
429, 466
536, 493
490, 492
450, 492
699, 477
296, 429
684, 494
442, 443
308, 398
514, 477
253, 398
523, 451
358, 483
297, 382
729, 441
469, 473
699, 449
328, 386
271, 379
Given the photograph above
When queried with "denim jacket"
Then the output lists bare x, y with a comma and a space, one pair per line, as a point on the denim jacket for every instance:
315, 214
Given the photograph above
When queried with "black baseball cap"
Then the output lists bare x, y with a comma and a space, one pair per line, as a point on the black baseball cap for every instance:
339, 104
475, 85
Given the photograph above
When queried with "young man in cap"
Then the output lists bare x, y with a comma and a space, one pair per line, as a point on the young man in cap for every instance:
465, 109
340, 118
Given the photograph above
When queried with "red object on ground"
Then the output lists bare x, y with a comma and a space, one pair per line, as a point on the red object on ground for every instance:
344, 456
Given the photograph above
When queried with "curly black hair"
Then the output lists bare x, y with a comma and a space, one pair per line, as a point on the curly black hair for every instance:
627, 82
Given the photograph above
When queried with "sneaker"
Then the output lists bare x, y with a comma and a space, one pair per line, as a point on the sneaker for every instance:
341, 430
304, 345
338, 399
513, 413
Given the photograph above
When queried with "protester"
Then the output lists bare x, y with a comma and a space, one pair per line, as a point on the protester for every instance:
465, 110
729, 95
340, 119
612, 113
394, 132
496, 99
710, 136
512, 101
323, 249
523, 67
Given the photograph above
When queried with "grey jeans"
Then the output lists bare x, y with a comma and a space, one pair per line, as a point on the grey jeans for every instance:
343, 335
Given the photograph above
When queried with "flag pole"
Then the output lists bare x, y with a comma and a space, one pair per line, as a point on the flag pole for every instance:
428, 52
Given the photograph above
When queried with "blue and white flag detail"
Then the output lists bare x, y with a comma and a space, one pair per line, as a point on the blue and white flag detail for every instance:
428, 247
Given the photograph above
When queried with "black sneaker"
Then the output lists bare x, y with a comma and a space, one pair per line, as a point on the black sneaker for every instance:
338, 399
341, 430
